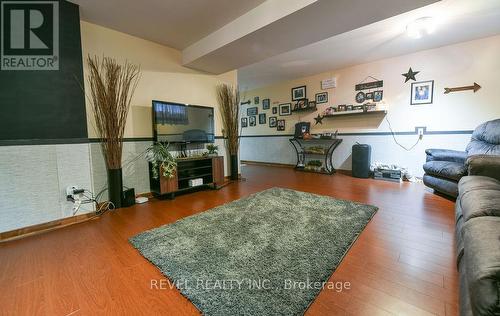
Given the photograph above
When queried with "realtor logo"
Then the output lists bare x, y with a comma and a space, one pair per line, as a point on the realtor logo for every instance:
29, 35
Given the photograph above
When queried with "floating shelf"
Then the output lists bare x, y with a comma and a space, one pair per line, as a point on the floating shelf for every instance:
305, 109
356, 112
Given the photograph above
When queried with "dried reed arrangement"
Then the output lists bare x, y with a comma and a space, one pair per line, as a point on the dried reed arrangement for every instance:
112, 86
229, 105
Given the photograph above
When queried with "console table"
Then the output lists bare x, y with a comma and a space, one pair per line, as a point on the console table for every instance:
210, 169
315, 155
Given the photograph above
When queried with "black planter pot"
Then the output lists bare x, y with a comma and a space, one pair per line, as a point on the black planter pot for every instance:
234, 167
115, 185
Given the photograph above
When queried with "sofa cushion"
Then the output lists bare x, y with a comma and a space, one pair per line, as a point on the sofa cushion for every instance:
445, 169
478, 203
446, 186
469, 183
482, 263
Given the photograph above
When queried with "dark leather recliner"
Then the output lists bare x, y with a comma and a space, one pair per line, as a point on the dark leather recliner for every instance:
444, 168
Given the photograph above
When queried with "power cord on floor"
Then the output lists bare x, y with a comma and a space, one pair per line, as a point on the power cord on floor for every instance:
396, 141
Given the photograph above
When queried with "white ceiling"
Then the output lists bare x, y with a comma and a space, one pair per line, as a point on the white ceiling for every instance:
457, 21
175, 23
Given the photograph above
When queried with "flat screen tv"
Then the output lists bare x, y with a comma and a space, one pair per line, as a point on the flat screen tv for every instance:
182, 123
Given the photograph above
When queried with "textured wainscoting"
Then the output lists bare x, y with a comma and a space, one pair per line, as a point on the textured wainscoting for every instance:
277, 149
135, 167
33, 181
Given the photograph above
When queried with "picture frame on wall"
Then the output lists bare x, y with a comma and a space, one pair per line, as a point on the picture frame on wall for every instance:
262, 118
275, 110
273, 121
299, 93
369, 96
266, 104
301, 104
244, 122
252, 111
256, 100
280, 125
422, 92
378, 95
252, 121
285, 109
321, 97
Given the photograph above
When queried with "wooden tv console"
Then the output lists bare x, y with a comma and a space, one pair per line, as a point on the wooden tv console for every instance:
210, 169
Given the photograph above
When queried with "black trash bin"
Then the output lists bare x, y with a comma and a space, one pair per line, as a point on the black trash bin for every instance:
361, 160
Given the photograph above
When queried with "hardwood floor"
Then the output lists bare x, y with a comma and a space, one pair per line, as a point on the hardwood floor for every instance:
403, 262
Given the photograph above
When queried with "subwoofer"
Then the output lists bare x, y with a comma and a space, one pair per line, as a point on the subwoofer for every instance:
361, 160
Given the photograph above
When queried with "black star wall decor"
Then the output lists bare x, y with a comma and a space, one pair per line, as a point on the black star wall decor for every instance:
410, 75
318, 119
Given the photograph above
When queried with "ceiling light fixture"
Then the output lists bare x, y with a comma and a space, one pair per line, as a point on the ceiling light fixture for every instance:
420, 27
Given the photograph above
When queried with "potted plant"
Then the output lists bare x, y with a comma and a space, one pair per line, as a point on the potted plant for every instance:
112, 86
161, 159
229, 103
212, 149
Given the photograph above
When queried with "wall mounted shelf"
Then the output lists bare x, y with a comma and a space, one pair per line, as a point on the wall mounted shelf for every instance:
356, 112
305, 110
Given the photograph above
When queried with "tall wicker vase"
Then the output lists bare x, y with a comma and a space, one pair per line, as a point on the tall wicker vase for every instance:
111, 88
229, 105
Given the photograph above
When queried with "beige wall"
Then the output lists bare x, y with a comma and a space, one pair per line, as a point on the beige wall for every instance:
162, 78
449, 66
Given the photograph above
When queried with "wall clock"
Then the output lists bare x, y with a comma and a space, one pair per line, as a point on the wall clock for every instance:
360, 97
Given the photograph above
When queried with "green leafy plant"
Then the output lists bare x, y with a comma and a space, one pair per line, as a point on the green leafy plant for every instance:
159, 156
212, 149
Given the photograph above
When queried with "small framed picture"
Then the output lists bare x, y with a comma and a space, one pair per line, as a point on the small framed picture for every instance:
262, 118
342, 108
266, 103
252, 120
349, 107
311, 104
281, 125
298, 93
301, 104
273, 121
244, 122
422, 92
322, 97
369, 95
275, 110
256, 100
285, 109
378, 95
252, 111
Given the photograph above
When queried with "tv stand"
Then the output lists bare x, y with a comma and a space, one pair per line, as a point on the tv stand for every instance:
210, 169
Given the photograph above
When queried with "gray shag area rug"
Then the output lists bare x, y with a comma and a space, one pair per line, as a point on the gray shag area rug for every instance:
259, 255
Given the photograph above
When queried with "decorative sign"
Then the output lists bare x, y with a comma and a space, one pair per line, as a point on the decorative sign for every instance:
475, 87
369, 85
329, 83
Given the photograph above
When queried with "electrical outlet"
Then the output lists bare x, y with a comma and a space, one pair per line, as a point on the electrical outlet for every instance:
420, 130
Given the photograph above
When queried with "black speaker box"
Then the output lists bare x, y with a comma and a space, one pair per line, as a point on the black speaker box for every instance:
361, 160
128, 198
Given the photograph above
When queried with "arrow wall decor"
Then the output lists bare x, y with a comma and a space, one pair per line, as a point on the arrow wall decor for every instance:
475, 87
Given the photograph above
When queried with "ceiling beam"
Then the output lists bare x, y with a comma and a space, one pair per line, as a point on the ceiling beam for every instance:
278, 26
